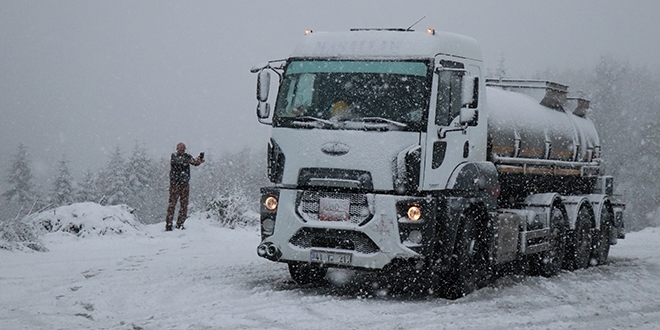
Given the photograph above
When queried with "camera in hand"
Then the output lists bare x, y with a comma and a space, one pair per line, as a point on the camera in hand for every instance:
201, 155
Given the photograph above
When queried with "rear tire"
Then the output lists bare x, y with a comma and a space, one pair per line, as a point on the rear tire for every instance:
602, 250
549, 263
581, 242
307, 273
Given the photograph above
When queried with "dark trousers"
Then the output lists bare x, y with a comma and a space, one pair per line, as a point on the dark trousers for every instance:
178, 192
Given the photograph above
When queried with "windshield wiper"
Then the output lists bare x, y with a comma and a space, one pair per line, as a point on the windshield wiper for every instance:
303, 120
380, 120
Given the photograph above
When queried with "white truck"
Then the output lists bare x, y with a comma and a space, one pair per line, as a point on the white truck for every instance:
391, 152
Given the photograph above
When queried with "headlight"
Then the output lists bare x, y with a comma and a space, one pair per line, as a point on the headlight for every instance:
414, 213
271, 203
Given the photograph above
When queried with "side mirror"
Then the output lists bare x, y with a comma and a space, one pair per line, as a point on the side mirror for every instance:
469, 117
263, 85
470, 92
263, 110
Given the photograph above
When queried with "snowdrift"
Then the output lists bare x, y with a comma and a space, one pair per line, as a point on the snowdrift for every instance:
80, 219
88, 219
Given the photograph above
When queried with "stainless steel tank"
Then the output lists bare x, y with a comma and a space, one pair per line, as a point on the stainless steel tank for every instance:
533, 122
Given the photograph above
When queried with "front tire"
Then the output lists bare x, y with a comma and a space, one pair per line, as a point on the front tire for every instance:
469, 254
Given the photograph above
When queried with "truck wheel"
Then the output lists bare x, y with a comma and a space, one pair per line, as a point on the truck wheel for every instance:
549, 263
582, 241
462, 280
307, 273
602, 250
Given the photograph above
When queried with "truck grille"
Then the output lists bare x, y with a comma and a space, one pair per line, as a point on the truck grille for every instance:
309, 201
334, 239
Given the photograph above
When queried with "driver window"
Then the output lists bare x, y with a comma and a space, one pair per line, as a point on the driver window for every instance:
448, 105
300, 97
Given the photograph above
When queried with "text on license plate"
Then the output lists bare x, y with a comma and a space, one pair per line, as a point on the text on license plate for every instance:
326, 257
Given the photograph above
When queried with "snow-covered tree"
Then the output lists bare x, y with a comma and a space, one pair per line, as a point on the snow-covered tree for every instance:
114, 180
229, 188
88, 190
143, 186
63, 193
21, 189
139, 172
626, 106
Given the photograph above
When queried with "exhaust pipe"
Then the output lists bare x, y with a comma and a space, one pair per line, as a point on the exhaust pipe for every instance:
261, 250
269, 251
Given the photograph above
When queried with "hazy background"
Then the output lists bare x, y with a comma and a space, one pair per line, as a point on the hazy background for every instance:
82, 78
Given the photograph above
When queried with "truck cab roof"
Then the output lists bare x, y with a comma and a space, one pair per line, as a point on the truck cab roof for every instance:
386, 44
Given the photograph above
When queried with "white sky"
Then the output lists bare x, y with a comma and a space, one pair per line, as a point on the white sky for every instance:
83, 77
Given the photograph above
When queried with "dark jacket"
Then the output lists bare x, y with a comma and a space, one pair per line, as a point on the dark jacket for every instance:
180, 168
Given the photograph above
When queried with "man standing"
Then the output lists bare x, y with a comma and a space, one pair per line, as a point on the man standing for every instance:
179, 185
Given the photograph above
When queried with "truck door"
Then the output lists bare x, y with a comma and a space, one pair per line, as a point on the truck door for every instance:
446, 145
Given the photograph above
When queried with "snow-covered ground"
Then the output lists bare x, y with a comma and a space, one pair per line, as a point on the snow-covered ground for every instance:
209, 277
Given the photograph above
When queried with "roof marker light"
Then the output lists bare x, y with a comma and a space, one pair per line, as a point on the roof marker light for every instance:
430, 31
308, 32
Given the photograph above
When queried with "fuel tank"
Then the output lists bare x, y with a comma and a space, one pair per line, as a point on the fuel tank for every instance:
535, 122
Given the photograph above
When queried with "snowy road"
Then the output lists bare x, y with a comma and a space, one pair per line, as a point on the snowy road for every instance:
208, 277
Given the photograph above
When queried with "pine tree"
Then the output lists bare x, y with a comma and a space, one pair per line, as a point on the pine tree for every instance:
63, 184
113, 180
88, 190
21, 190
140, 172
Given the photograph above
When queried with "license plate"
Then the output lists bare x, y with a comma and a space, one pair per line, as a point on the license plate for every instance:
336, 258
334, 209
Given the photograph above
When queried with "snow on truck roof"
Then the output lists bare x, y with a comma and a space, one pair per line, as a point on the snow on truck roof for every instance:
386, 44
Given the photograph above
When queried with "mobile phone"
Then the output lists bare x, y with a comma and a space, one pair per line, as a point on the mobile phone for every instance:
201, 155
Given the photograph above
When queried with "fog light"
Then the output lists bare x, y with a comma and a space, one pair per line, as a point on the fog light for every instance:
414, 213
415, 237
271, 203
268, 226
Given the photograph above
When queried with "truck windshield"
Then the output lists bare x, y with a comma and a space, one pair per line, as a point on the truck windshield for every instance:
383, 95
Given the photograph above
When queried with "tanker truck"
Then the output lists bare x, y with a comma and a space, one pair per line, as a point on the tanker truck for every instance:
391, 152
